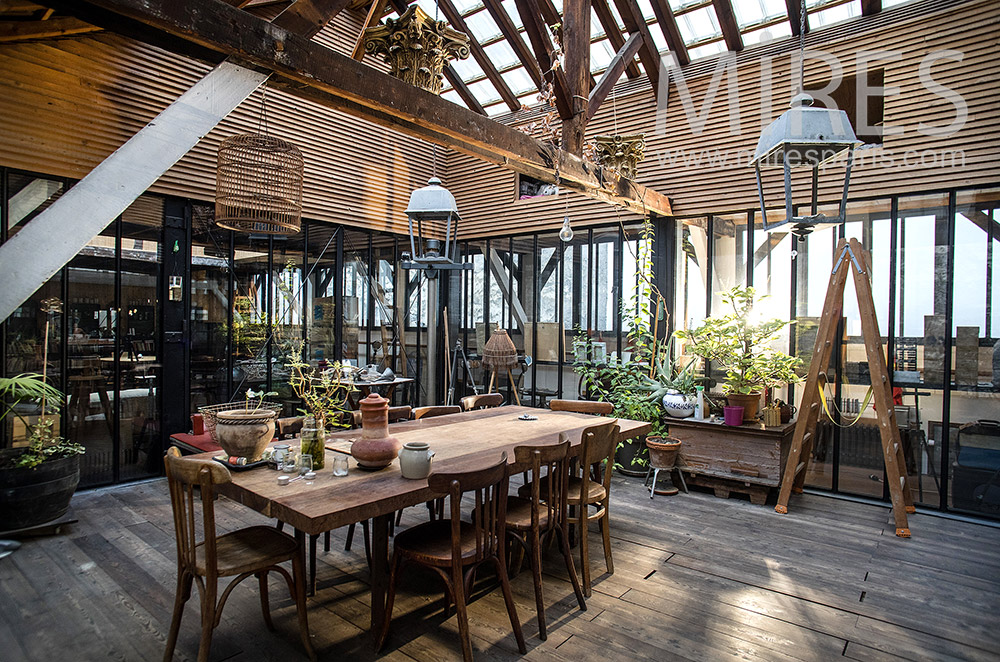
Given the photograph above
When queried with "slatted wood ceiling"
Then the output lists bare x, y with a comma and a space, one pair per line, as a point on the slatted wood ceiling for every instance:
68, 103
485, 193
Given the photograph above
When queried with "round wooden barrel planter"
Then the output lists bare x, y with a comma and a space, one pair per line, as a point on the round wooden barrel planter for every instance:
29, 497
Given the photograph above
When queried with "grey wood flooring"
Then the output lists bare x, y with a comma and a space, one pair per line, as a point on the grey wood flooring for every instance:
696, 578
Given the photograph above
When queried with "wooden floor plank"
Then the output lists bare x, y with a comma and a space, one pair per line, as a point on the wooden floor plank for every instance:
697, 578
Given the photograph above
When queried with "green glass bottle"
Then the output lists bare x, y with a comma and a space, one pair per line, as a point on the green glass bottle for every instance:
313, 442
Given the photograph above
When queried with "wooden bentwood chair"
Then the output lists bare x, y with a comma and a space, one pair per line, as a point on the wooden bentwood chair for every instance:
435, 410
256, 550
543, 513
455, 549
581, 406
485, 401
591, 489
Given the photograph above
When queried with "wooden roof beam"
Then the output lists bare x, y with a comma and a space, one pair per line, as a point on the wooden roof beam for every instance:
513, 37
613, 33
538, 35
463, 90
870, 7
795, 16
727, 21
373, 17
668, 25
457, 22
312, 71
576, 58
12, 31
636, 23
308, 17
611, 75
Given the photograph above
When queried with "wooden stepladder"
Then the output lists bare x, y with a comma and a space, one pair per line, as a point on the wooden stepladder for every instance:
851, 257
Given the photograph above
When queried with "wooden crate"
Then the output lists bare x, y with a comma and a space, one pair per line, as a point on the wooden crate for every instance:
745, 458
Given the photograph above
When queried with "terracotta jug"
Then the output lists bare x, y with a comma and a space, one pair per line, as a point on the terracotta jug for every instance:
375, 449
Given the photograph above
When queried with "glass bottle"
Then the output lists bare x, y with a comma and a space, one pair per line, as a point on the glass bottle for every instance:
313, 442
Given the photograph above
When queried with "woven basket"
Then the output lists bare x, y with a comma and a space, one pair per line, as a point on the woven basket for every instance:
258, 185
211, 413
500, 352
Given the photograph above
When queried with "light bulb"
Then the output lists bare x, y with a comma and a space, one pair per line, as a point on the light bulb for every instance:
566, 234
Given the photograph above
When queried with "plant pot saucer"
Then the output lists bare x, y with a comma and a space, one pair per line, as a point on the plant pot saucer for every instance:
666, 491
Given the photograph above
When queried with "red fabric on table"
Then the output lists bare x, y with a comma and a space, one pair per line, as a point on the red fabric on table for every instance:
195, 443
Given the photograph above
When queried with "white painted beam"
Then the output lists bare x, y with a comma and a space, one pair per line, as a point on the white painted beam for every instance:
51, 239
502, 276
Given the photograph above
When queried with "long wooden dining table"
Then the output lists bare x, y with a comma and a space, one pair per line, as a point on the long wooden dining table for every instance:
468, 440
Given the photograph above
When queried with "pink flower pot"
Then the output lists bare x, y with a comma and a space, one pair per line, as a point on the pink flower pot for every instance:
733, 415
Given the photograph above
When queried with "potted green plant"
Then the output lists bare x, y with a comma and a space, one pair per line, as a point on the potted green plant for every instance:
325, 396
740, 343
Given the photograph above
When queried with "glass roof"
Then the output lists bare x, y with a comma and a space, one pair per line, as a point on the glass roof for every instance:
759, 21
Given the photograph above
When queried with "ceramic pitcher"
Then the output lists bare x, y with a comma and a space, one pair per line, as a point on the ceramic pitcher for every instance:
415, 460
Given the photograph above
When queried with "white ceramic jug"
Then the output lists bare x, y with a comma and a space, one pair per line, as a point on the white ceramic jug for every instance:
415, 460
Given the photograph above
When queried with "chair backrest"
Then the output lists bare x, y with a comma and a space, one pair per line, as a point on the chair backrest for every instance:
435, 410
396, 414
597, 453
489, 486
549, 494
582, 406
289, 427
486, 401
183, 476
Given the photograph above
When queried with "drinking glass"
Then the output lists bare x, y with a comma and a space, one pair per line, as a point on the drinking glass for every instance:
305, 463
340, 465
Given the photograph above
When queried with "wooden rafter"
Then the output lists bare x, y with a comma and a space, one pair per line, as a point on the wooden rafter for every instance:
611, 75
463, 90
457, 22
12, 31
870, 7
668, 25
538, 35
636, 23
374, 14
514, 40
312, 71
613, 33
727, 21
795, 16
549, 12
576, 47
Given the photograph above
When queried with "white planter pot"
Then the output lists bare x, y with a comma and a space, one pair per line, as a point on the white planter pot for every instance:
679, 405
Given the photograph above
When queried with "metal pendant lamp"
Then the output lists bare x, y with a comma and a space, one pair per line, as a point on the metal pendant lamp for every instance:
432, 205
804, 136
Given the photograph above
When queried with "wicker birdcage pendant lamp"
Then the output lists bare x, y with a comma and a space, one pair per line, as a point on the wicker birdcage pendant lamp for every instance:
499, 353
258, 185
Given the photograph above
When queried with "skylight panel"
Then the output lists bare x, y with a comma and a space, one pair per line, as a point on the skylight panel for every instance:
707, 50
430, 6
678, 5
647, 9
559, 5
511, 10
452, 96
465, 6
618, 17
502, 55
519, 81
482, 26
659, 40
833, 15
596, 29
485, 92
698, 25
755, 12
600, 55
770, 33
467, 68
495, 109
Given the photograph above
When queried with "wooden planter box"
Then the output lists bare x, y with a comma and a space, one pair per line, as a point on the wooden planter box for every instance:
747, 458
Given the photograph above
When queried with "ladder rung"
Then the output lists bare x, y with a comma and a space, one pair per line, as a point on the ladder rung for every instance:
902, 481
799, 468
807, 437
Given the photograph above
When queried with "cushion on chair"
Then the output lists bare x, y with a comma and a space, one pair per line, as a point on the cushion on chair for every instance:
194, 443
249, 549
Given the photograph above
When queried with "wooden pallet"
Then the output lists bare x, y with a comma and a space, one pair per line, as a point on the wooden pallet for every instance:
851, 258
724, 486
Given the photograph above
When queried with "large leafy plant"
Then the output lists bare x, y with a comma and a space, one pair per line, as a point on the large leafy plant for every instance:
43, 443
740, 343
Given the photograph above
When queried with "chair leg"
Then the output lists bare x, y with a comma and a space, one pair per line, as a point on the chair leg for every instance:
571, 568
183, 593
605, 523
299, 579
208, 606
312, 564
265, 605
458, 590
584, 550
536, 576
390, 598
508, 598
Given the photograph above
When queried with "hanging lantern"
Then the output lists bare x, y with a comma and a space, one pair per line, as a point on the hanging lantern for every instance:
258, 185
432, 205
805, 136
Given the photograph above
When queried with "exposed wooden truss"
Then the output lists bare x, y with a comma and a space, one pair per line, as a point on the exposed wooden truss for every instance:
513, 37
635, 23
463, 90
727, 21
457, 22
611, 75
614, 34
576, 47
372, 19
668, 24
541, 44
11, 31
309, 70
